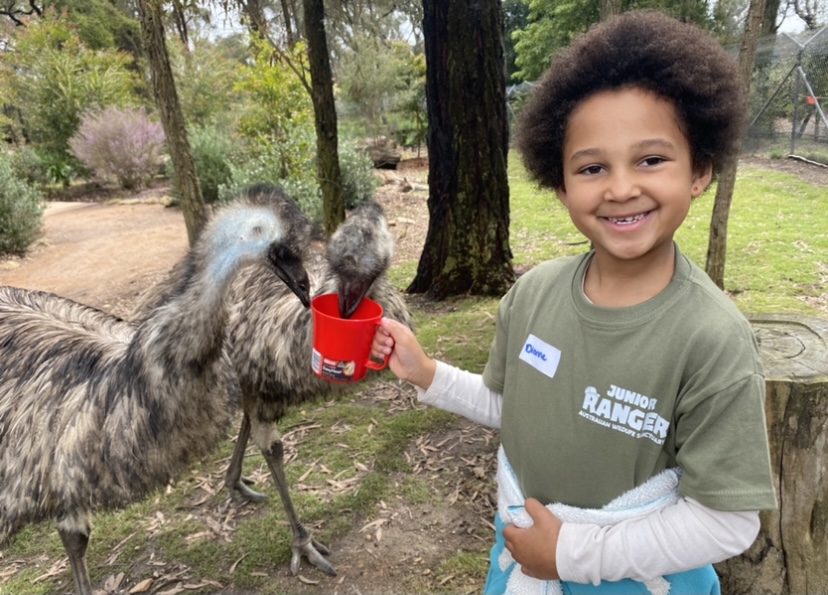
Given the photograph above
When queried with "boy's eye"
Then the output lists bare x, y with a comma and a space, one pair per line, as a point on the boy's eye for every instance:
591, 170
653, 160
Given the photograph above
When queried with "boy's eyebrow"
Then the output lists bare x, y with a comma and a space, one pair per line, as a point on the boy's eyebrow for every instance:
646, 143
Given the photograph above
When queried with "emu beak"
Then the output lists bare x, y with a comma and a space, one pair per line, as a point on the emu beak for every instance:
351, 292
288, 267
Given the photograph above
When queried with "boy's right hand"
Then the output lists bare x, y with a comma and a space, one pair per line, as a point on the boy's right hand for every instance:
406, 358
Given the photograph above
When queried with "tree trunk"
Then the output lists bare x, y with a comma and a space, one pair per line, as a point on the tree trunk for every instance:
324, 109
172, 119
467, 246
769, 21
717, 243
790, 554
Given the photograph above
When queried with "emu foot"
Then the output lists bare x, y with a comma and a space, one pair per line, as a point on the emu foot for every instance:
240, 492
314, 551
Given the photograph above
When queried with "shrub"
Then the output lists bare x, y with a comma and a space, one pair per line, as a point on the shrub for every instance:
21, 211
291, 164
211, 151
358, 176
30, 166
124, 146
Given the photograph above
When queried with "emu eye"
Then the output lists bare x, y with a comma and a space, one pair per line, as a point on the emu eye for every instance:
257, 231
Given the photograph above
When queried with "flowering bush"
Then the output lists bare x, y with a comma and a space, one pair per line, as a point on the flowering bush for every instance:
123, 146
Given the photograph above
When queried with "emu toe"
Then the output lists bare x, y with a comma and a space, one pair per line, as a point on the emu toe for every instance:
240, 492
314, 551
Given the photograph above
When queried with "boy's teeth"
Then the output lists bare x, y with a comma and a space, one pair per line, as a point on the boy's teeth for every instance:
626, 220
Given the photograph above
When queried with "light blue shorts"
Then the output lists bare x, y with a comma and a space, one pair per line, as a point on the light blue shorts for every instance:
702, 581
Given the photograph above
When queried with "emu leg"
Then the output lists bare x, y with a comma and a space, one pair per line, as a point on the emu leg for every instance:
303, 543
74, 533
238, 485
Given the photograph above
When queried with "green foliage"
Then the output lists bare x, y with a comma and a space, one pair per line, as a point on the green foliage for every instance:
359, 181
100, 25
30, 166
287, 161
21, 211
370, 76
554, 23
212, 149
206, 78
52, 78
277, 101
409, 102
291, 164
515, 17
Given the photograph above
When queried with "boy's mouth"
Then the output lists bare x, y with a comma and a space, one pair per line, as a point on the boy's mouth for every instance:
626, 220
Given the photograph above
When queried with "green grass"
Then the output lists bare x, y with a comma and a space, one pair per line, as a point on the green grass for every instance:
776, 263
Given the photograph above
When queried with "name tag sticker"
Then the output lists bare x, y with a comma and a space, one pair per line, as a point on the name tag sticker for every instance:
541, 356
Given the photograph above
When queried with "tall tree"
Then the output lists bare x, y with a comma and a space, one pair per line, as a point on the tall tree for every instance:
467, 245
324, 109
320, 89
172, 118
717, 242
770, 23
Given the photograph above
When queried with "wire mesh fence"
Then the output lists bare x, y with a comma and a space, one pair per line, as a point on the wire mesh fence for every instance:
789, 97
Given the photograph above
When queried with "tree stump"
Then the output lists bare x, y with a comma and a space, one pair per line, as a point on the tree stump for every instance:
790, 555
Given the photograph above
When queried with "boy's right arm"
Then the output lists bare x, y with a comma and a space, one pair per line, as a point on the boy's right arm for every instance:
439, 384
406, 358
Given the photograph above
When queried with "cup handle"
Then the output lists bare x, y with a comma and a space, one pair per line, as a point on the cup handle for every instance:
374, 365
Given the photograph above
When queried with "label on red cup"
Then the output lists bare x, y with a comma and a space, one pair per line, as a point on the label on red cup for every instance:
332, 369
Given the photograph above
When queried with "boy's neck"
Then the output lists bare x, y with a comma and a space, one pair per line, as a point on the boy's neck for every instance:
613, 283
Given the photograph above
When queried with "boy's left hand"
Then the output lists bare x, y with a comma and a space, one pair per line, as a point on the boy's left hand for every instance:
534, 547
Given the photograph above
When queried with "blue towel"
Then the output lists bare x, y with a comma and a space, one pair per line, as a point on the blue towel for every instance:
655, 494
702, 581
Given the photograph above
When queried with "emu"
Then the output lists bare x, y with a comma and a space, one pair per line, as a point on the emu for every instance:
96, 412
269, 341
270, 344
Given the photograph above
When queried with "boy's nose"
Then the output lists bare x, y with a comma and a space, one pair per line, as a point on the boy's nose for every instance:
621, 186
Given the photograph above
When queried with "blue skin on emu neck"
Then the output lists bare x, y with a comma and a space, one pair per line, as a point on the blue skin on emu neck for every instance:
238, 235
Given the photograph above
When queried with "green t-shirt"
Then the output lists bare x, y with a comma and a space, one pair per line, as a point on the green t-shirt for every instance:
598, 400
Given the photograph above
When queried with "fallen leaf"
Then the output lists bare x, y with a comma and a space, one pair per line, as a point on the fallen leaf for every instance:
142, 587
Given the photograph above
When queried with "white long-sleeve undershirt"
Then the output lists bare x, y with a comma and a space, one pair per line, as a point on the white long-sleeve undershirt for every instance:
681, 537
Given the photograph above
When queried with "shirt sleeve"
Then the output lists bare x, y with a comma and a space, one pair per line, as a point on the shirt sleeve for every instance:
463, 393
681, 537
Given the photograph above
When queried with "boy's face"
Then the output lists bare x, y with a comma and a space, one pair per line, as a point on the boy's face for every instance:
628, 175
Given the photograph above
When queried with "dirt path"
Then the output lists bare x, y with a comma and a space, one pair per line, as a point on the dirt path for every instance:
102, 255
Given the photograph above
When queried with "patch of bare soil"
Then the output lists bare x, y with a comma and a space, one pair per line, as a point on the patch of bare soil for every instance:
809, 172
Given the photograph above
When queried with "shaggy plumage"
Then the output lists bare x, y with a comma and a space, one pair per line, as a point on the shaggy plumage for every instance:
96, 412
269, 341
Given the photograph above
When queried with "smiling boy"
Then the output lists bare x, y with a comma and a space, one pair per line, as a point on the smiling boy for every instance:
626, 385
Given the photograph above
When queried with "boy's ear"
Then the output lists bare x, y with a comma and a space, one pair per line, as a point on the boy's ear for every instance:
560, 192
701, 180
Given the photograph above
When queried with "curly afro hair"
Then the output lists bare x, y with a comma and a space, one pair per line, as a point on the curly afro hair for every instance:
643, 49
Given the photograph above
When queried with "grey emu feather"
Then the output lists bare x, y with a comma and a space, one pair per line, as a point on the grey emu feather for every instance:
269, 341
96, 412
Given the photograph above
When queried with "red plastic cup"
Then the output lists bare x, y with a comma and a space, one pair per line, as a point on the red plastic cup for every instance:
342, 346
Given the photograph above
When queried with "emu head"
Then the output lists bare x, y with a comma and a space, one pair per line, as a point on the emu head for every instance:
359, 252
285, 255
252, 229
